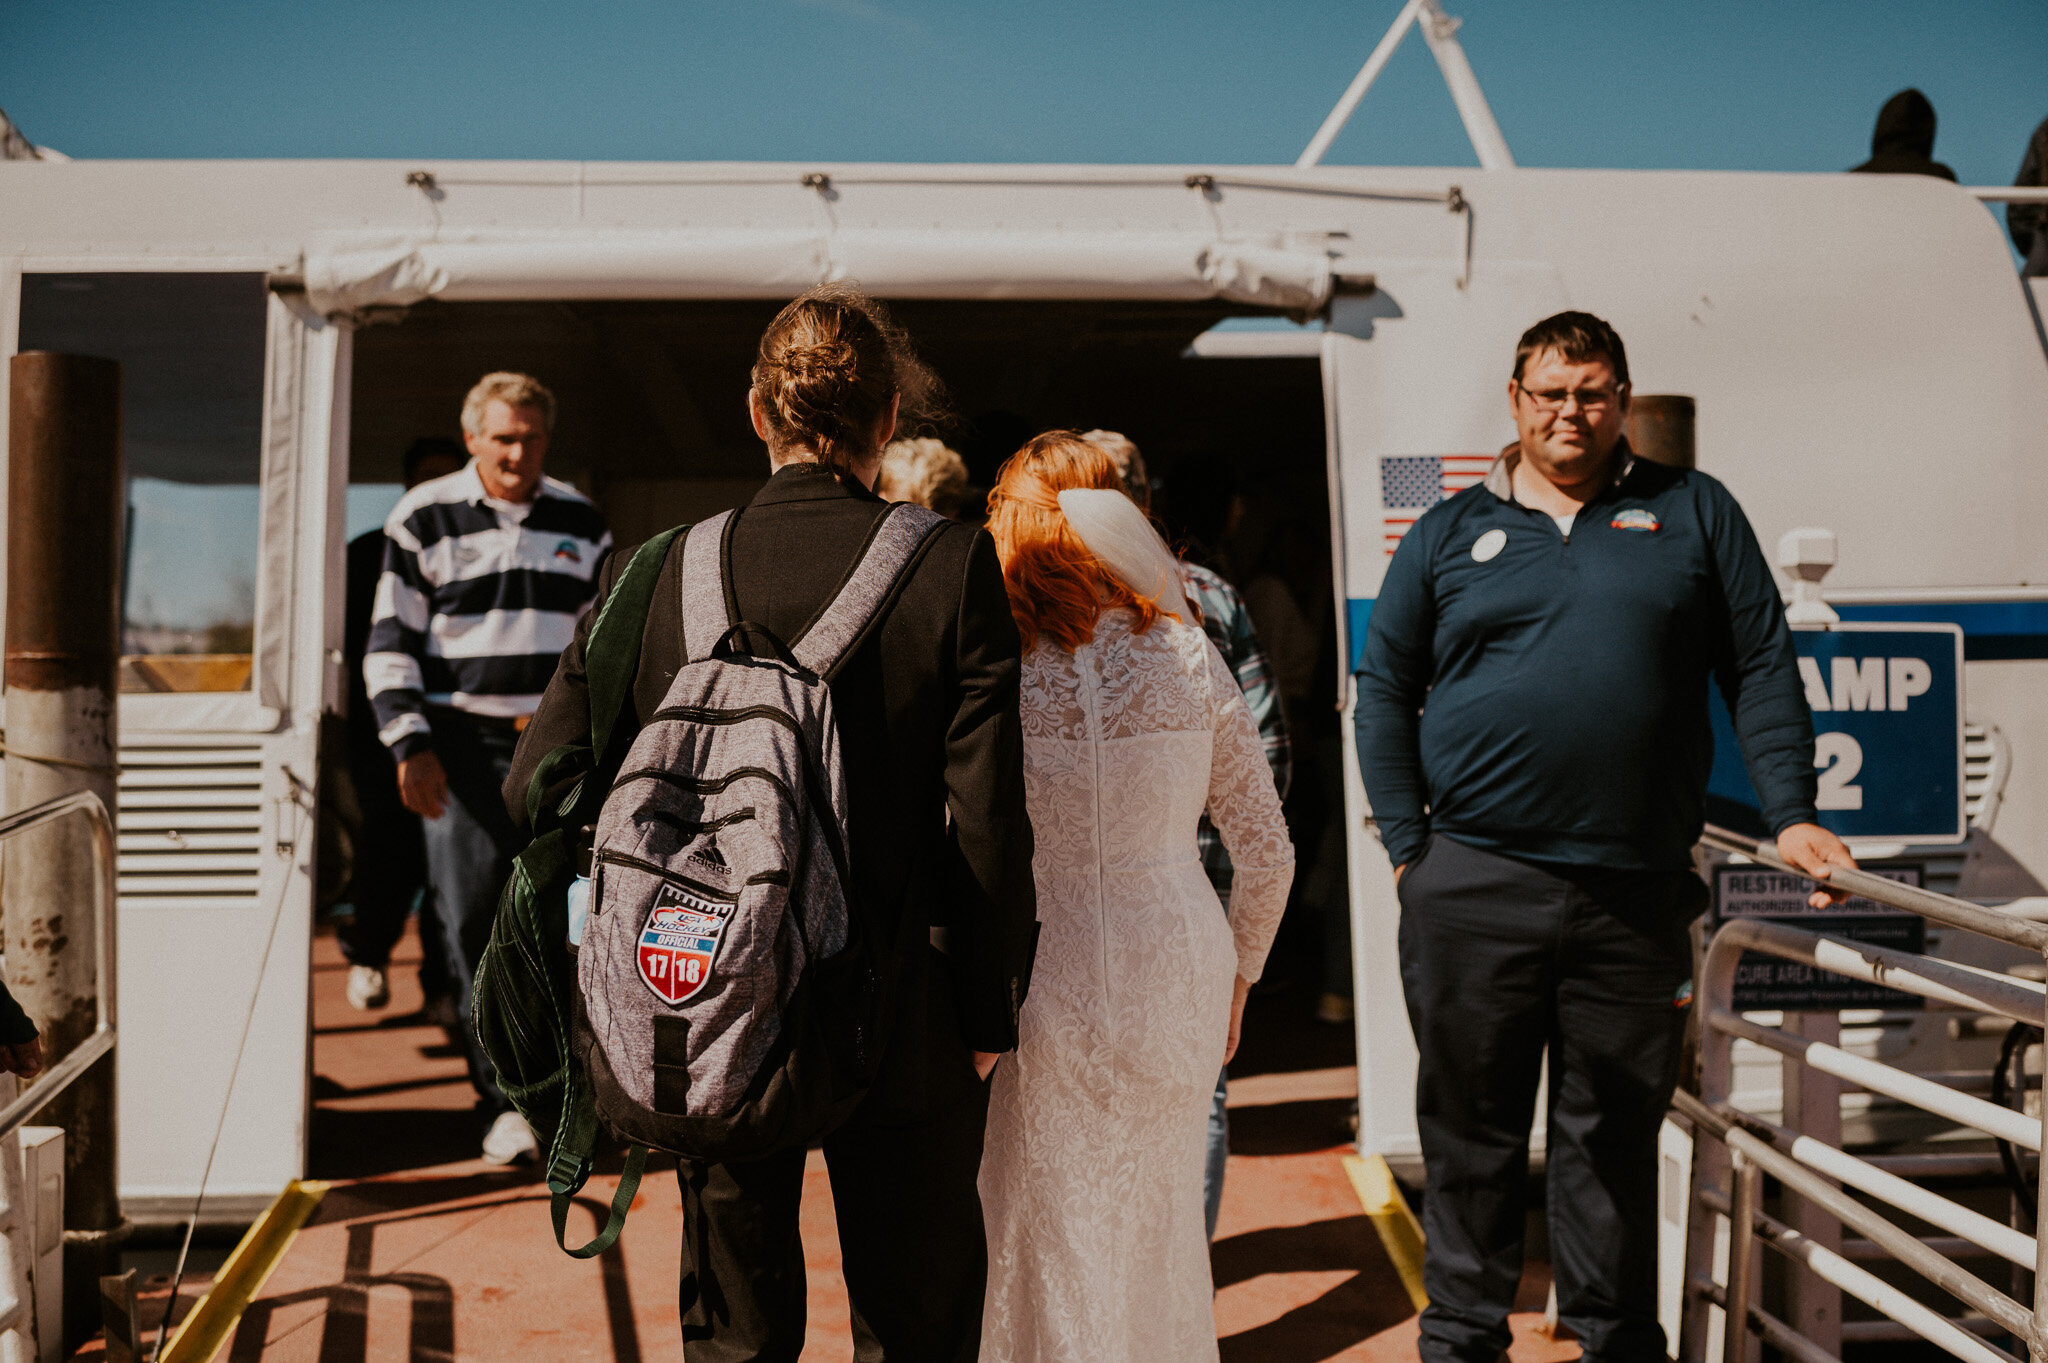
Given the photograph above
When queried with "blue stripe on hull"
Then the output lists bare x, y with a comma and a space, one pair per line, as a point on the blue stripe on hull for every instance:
1992, 630
1357, 611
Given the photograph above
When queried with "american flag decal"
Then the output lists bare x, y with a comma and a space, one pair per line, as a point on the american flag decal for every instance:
1411, 484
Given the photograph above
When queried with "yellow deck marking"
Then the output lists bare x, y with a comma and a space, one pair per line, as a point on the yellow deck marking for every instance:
244, 1274
1400, 1233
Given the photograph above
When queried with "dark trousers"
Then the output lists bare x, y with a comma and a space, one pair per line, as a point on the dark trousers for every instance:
469, 855
1500, 961
390, 874
911, 1239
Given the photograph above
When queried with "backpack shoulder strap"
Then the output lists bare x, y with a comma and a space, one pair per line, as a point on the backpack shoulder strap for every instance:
611, 655
705, 617
897, 542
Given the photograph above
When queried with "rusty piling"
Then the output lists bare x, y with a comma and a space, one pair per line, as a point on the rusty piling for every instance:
64, 509
1661, 429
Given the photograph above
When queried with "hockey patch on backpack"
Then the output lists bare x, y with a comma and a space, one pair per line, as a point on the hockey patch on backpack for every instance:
679, 944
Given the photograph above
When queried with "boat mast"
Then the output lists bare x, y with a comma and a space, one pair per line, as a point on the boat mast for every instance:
1441, 32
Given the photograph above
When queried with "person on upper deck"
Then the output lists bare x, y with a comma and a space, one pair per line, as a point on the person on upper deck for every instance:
1903, 141
1533, 732
485, 573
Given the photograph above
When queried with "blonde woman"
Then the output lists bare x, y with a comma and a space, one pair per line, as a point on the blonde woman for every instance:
924, 472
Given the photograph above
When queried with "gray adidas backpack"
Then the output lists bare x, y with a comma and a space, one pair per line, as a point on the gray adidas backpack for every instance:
730, 1003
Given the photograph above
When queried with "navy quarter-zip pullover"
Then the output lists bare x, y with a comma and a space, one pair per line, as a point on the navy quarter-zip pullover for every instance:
1544, 695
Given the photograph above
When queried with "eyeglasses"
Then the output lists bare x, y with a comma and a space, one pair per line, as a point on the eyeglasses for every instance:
1589, 399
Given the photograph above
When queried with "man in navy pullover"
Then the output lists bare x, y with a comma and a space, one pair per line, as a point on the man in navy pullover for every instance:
1533, 732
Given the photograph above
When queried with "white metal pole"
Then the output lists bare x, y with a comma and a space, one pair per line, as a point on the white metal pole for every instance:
1367, 74
2040, 1302
1477, 115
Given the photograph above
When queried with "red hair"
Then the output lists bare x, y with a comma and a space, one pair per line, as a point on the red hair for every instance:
1057, 588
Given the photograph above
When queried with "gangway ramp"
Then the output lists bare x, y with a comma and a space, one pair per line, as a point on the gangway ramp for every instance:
421, 1251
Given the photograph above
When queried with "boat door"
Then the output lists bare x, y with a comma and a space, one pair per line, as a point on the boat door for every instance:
1415, 375
231, 543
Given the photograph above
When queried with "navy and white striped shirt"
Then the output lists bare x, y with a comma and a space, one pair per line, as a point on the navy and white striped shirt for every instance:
477, 600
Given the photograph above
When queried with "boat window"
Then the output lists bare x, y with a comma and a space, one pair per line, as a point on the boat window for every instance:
191, 352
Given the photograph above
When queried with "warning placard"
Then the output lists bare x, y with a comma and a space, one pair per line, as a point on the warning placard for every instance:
1768, 982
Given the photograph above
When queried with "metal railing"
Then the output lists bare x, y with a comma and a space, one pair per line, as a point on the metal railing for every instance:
63, 1073
1734, 1150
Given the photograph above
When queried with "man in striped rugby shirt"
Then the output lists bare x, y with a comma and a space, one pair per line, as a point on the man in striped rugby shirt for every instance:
486, 571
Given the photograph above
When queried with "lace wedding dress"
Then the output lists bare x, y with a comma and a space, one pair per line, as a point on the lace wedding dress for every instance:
1091, 1178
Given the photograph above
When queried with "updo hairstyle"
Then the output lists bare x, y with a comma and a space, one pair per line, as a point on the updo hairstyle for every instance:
828, 365
1058, 589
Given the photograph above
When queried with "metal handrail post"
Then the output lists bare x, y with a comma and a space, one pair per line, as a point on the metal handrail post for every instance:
1741, 1290
1712, 1166
1749, 1147
63, 1073
1902, 1245
2040, 1297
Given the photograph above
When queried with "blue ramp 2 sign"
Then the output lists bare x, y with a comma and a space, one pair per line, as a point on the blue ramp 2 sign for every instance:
1887, 704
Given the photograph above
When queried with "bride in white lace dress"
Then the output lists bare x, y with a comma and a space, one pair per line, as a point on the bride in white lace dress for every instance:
1091, 1177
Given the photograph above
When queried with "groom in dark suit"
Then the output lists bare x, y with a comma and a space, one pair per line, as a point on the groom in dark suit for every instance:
939, 848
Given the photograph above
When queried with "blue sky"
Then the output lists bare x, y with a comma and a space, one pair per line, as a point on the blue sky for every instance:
1738, 85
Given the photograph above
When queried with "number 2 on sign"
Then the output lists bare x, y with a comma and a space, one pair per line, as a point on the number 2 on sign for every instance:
1838, 757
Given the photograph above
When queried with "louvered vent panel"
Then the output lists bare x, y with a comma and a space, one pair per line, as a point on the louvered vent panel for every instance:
191, 822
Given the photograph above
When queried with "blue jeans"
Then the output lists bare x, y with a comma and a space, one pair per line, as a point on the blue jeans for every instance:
1219, 1128
1219, 1153
469, 855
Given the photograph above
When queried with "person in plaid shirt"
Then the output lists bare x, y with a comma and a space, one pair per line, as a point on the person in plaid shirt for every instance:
1229, 626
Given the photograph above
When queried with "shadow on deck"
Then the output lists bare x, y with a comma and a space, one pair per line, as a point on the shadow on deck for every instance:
422, 1252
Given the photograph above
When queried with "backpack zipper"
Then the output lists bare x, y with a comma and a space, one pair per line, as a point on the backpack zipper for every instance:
697, 827
774, 877
698, 785
703, 715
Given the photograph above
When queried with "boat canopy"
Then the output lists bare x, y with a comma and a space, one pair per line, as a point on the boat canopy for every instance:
346, 273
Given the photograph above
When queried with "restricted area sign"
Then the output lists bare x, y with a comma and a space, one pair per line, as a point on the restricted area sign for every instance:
1768, 982
1887, 704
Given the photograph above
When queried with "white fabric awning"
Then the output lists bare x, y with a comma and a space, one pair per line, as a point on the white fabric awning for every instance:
346, 274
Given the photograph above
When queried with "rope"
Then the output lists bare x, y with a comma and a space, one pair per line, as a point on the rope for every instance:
255, 996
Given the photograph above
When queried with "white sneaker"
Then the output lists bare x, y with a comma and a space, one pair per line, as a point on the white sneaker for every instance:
367, 988
510, 1141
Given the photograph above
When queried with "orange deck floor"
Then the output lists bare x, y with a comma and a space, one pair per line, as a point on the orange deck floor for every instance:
422, 1252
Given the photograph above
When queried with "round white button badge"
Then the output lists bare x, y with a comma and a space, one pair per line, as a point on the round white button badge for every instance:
1488, 545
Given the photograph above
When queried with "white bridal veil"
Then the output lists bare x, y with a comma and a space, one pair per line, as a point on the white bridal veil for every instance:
1116, 532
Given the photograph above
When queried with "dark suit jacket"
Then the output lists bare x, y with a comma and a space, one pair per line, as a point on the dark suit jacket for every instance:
927, 710
365, 559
